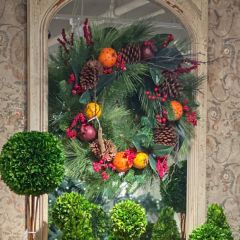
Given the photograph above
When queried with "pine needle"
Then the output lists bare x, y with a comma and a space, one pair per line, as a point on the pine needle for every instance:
136, 32
133, 76
102, 38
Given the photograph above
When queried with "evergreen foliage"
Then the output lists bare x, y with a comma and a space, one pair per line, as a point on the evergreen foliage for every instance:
78, 218
122, 96
210, 232
215, 228
32, 163
166, 227
217, 217
68, 185
148, 233
128, 220
173, 187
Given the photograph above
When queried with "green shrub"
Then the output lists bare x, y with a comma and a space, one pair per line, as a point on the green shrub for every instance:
128, 220
148, 232
217, 217
32, 163
78, 218
215, 228
166, 227
100, 223
210, 232
173, 187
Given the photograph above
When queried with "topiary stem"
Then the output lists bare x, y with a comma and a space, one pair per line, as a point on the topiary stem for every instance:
31, 209
183, 226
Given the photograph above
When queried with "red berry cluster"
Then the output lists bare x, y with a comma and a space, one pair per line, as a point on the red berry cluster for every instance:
148, 43
77, 89
71, 132
87, 32
186, 67
151, 44
156, 95
107, 70
66, 43
162, 166
102, 166
192, 118
71, 78
130, 154
169, 39
191, 115
120, 63
162, 119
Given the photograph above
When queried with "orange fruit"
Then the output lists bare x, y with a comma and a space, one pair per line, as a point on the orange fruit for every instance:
93, 110
120, 162
141, 160
107, 57
177, 110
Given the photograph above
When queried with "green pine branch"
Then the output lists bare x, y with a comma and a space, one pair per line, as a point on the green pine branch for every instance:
134, 33
133, 76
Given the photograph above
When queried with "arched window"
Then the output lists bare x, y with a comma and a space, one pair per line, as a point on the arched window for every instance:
189, 18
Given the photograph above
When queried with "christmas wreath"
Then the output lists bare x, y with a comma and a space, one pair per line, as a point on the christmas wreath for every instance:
127, 107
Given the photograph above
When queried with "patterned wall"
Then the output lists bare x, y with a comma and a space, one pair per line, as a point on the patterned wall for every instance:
223, 139
13, 101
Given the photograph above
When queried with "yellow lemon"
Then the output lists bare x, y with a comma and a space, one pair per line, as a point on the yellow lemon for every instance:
92, 110
141, 160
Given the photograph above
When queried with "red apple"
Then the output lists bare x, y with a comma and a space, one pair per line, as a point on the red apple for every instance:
87, 133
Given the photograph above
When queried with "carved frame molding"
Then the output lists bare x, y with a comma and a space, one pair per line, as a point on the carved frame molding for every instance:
194, 16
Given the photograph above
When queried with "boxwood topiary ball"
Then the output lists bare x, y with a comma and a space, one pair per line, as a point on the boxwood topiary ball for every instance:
129, 220
32, 163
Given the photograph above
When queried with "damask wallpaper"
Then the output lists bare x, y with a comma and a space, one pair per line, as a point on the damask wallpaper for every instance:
13, 104
223, 138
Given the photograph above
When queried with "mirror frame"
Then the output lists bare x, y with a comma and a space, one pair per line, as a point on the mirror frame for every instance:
194, 16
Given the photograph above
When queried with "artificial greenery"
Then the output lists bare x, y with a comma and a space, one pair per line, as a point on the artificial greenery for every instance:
215, 228
32, 163
128, 220
173, 187
166, 227
79, 219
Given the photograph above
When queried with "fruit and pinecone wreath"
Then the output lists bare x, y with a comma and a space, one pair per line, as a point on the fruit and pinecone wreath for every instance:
128, 104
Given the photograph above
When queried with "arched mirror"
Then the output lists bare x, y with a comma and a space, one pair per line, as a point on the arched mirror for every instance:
111, 130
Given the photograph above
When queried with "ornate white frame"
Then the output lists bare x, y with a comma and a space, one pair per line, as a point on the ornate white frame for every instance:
194, 16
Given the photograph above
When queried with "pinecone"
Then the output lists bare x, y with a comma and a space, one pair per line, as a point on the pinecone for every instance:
131, 53
170, 87
90, 74
165, 135
109, 153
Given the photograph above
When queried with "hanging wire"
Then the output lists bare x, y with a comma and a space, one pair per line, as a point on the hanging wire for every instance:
77, 19
111, 11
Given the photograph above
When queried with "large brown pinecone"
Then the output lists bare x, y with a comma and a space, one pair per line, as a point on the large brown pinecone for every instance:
131, 53
170, 87
110, 150
165, 135
90, 74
